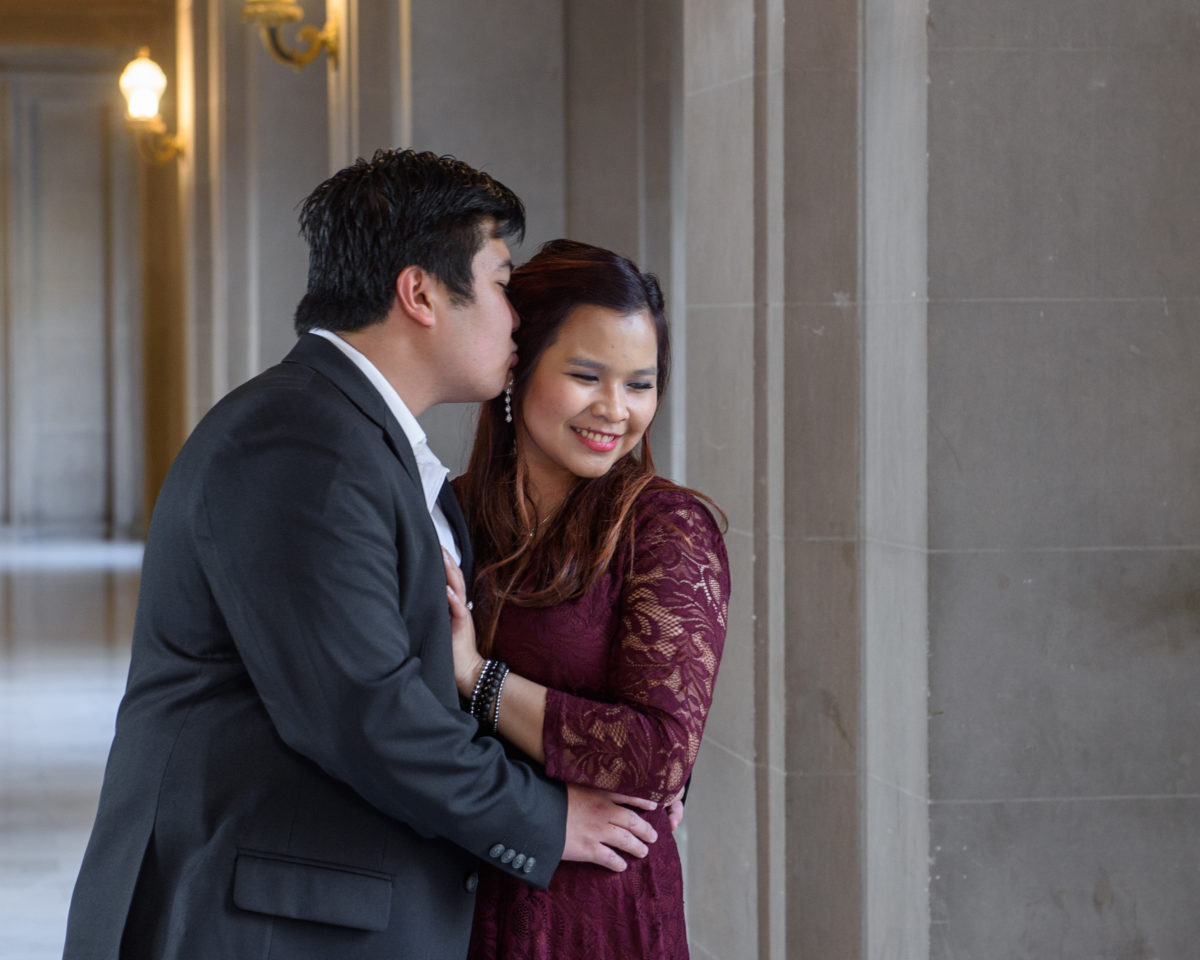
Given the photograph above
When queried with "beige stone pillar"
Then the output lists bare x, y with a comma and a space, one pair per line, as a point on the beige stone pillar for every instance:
258, 142
805, 169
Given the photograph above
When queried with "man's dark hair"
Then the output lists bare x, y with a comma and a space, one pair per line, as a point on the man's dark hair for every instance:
401, 208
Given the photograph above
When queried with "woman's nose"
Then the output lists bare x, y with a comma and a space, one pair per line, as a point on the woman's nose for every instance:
610, 405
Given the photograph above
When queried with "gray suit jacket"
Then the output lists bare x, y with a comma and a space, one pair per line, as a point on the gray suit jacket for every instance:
292, 775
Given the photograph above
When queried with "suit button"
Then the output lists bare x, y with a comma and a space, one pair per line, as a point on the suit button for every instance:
518, 860
529, 865
496, 851
507, 856
472, 882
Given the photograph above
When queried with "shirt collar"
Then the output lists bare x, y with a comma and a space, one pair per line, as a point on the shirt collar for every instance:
433, 472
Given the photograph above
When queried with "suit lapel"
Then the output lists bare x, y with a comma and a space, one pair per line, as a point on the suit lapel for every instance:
458, 523
322, 356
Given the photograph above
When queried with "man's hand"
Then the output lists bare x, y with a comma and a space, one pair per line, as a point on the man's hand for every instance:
598, 826
674, 807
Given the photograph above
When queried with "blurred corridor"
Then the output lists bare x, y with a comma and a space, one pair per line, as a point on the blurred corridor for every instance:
66, 616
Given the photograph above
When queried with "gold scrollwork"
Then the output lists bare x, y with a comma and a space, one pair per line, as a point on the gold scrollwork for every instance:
153, 142
272, 15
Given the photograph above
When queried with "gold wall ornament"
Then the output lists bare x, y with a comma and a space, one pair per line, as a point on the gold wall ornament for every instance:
142, 83
272, 15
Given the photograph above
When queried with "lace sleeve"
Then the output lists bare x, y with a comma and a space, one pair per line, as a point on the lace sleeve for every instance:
663, 665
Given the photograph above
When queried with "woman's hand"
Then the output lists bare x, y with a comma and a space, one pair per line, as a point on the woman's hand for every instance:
468, 664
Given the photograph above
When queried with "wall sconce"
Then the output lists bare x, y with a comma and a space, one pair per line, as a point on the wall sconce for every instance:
143, 82
270, 15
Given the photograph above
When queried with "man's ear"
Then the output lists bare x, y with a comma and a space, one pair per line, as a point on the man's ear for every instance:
419, 294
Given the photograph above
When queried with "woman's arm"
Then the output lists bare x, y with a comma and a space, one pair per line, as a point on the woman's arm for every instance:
523, 701
673, 608
671, 635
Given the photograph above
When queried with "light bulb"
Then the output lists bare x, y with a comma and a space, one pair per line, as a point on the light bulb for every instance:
143, 82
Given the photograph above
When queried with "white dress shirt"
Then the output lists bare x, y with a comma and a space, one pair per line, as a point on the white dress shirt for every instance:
433, 471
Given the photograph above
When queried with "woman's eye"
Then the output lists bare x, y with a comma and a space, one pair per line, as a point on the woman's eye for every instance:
586, 377
641, 386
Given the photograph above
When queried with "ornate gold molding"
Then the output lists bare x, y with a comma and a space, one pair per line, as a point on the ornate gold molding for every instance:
272, 15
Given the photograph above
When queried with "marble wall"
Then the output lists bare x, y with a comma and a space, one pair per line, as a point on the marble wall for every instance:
1064, 352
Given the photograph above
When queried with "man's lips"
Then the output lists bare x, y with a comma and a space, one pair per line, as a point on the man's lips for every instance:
595, 440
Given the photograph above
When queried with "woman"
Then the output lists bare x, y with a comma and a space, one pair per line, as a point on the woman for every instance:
600, 599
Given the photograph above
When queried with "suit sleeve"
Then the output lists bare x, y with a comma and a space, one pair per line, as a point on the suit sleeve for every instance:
307, 548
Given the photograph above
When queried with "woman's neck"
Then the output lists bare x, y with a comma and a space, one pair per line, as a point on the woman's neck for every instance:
547, 494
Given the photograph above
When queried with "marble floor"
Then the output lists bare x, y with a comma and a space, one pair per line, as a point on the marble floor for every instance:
66, 615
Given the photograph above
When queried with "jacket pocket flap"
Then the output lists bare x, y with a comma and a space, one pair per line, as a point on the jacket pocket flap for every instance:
304, 890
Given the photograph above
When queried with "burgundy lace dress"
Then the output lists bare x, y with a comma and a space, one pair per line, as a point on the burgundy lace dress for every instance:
630, 668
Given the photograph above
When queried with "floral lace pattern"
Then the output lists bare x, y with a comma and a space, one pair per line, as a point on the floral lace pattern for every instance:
662, 666
630, 668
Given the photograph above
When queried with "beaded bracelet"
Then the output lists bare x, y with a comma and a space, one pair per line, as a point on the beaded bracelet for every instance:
499, 691
483, 673
481, 694
478, 683
487, 689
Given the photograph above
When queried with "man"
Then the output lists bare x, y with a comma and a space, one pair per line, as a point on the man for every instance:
292, 775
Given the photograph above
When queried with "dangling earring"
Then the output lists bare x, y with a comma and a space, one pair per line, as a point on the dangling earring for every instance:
508, 401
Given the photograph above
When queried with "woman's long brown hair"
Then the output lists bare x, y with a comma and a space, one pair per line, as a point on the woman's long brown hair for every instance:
567, 555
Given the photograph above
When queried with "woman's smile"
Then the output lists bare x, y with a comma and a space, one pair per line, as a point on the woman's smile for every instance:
595, 440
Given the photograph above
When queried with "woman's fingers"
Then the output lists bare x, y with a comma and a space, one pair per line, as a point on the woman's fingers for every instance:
454, 576
457, 607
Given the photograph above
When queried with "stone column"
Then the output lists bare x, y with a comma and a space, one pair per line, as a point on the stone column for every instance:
258, 143
624, 160
805, 222
894, 760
